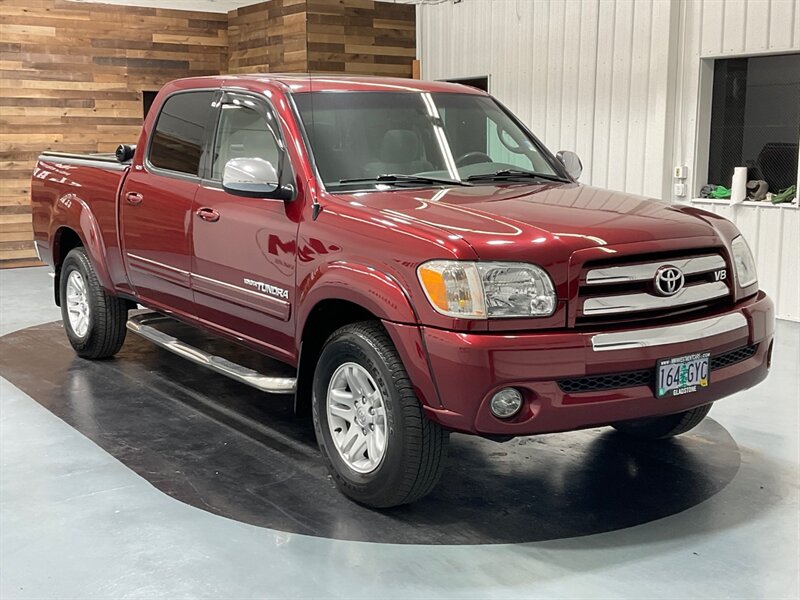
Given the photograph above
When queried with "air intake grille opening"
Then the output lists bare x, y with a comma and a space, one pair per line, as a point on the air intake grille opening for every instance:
596, 383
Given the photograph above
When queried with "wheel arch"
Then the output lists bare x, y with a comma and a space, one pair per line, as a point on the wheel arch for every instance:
65, 239
74, 226
343, 293
325, 317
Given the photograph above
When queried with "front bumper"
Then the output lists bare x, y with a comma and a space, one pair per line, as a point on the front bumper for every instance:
468, 368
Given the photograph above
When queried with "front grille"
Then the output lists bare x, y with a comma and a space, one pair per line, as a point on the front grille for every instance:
625, 289
596, 383
593, 383
731, 358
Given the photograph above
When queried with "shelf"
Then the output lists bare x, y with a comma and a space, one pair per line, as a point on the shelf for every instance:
749, 203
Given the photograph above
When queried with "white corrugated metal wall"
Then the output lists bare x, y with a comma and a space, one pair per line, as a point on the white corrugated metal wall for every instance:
772, 232
585, 75
619, 82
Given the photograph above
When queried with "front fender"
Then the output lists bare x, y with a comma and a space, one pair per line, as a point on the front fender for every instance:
383, 296
373, 290
72, 212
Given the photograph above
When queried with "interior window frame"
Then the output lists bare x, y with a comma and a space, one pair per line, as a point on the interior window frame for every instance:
706, 154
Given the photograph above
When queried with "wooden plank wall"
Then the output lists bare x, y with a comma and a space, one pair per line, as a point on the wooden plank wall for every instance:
361, 37
72, 74
268, 37
71, 79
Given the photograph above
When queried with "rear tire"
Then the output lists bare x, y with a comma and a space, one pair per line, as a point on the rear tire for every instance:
660, 428
360, 390
94, 320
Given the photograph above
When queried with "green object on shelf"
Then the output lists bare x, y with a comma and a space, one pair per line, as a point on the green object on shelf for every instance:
786, 195
720, 192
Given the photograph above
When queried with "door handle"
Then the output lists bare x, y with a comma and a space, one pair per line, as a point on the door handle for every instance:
134, 198
208, 214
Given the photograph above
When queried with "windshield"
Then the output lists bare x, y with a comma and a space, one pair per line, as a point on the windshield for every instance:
362, 136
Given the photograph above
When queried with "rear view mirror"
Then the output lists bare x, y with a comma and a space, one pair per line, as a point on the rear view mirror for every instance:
571, 163
254, 178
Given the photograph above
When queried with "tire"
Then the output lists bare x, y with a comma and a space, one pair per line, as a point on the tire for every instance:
413, 449
102, 333
660, 428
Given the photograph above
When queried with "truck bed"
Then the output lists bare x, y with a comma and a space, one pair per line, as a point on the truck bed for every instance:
62, 184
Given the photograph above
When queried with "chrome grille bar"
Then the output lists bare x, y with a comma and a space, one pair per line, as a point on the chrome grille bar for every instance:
645, 271
630, 303
673, 334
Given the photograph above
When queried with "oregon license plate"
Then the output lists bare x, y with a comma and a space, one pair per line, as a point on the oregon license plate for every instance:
682, 375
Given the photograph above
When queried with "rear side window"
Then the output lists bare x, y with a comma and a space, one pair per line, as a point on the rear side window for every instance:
177, 143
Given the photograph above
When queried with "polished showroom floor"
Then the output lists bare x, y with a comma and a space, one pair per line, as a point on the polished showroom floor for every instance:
139, 477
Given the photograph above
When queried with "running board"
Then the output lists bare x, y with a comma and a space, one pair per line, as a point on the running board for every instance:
143, 325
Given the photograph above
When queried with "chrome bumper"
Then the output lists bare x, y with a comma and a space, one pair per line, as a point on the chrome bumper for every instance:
672, 334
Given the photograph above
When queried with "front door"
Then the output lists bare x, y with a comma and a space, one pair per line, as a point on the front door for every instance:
243, 274
156, 204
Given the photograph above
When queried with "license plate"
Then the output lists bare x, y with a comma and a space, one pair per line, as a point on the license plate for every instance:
682, 375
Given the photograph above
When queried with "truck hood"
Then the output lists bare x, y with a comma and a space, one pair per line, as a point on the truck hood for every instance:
502, 222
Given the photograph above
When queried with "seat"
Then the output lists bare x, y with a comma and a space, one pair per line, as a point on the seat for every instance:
400, 152
330, 158
244, 134
777, 162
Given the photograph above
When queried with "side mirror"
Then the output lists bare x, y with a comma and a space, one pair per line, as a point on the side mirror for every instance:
571, 163
254, 178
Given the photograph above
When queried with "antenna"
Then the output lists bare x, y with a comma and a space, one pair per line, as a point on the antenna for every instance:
316, 207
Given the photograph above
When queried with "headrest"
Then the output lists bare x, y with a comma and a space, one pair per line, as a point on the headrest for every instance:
323, 135
399, 146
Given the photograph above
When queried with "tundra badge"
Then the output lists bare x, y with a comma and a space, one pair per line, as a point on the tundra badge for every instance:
266, 288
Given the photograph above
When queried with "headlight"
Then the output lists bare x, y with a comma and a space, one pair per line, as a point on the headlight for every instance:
743, 262
480, 290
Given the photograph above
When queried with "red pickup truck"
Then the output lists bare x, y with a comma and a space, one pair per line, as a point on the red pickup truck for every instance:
414, 257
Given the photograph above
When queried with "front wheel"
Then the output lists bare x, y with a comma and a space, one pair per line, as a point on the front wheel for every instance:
380, 448
94, 320
659, 428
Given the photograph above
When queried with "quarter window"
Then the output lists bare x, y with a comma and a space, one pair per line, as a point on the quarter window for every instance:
180, 131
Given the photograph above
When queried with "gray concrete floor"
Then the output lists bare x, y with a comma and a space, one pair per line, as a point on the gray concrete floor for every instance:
76, 523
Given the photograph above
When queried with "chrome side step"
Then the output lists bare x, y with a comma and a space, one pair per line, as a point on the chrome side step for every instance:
143, 325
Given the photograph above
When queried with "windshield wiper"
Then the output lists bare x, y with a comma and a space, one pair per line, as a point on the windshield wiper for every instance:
509, 174
390, 178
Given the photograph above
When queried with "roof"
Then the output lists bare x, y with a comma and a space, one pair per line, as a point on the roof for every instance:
302, 82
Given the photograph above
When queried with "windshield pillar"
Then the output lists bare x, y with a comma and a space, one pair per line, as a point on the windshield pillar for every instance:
441, 136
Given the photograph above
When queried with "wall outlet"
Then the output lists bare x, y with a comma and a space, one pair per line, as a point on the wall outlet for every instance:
681, 172
679, 189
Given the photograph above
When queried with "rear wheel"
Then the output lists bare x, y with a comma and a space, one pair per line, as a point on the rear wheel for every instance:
380, 448
94, 320
659, 428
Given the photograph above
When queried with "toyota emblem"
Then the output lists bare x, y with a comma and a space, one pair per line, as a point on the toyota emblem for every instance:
668, 280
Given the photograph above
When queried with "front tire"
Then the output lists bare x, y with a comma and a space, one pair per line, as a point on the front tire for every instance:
660, 428
94, 320
380, 448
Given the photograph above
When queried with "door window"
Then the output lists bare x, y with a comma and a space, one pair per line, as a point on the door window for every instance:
177, 143
244, 133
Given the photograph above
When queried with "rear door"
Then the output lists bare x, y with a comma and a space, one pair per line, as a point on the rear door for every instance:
243, 274
156, 202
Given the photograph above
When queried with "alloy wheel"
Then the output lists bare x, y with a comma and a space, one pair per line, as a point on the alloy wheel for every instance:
357, 417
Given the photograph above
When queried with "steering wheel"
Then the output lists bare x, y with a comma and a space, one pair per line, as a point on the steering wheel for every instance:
473, 158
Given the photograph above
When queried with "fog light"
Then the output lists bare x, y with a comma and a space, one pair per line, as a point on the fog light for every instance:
506, 403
